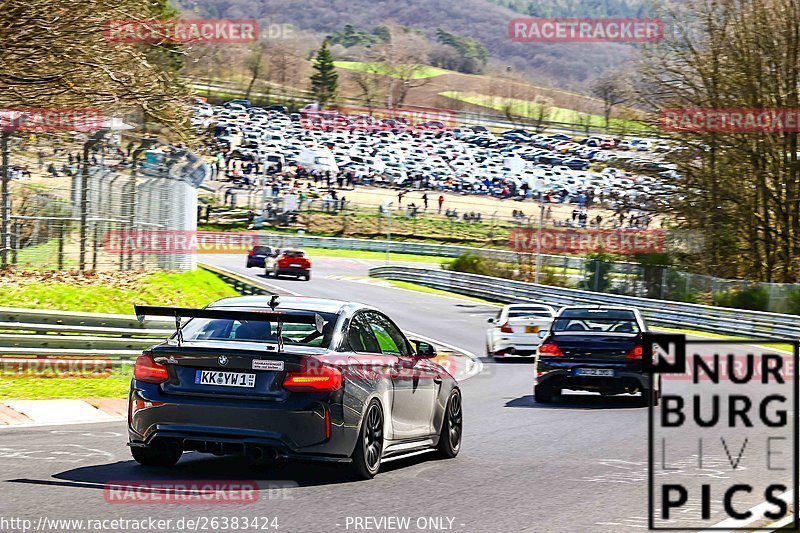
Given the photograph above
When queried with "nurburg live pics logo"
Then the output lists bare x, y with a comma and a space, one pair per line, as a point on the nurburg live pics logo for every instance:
723, 447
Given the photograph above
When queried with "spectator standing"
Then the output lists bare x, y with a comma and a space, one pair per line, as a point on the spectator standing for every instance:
441, 201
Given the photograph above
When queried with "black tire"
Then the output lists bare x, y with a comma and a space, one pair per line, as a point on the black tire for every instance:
165, 457
267, 273
545, 393
308, 276
369, 447
452, 427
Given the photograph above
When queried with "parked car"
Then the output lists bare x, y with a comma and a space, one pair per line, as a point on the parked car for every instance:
596, 349
289, 262
515, 330
301, 378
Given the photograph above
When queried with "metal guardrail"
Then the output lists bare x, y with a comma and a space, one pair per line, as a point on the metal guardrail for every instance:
737, 322
38, 333
241, 284
412, 248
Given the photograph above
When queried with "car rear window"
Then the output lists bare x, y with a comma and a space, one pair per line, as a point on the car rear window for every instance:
261, 249
596, 320
200, 329
517, 313
294, 253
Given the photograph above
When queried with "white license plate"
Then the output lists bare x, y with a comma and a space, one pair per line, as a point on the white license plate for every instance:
599, 372
225, 379
296, 265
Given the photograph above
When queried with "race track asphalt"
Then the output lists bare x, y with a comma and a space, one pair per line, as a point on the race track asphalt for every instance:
579, 465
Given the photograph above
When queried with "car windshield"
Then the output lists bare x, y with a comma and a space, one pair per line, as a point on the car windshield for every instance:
202, 329
596, 320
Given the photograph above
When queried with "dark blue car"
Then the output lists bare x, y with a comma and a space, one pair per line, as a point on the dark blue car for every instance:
596, 349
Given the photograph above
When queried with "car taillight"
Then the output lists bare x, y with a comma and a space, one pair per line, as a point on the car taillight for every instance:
313, 377
146, 369
251, 252
506, 328
635, 353
550, 349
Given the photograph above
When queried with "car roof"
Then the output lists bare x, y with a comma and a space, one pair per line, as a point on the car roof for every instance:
321, 305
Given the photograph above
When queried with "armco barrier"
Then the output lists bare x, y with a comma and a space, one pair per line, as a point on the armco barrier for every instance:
38, 333
735, 322
413, 248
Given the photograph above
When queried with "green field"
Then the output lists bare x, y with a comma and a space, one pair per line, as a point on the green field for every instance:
115, 295
114, 385
422, 72
529, 109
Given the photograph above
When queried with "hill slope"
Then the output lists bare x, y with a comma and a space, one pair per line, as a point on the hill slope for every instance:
567, 64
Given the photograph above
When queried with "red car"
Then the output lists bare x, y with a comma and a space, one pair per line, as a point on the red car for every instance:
289, 262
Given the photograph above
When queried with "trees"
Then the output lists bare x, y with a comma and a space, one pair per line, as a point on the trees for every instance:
54, 56
324, 79
471, 56
613, 89
740, 190
255, 65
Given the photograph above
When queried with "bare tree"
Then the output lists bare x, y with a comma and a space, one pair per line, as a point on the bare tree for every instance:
255, 65
613, 89
53, 55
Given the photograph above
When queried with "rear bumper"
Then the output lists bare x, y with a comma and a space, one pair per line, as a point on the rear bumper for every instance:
512, 346
295, 427
628, 377
293, 271
256, 262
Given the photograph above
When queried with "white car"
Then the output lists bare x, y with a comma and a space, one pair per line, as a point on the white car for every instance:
518, 329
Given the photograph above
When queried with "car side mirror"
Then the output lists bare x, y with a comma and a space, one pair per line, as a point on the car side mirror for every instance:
490, 321
425, 350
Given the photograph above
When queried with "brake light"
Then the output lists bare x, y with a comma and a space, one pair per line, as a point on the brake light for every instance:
147, 370
313, 377
635, 353
550, 349
506, 328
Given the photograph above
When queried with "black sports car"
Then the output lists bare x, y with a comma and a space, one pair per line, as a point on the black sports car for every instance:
303, 378
596, 349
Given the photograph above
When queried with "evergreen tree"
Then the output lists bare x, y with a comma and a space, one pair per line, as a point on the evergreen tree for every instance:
324, 80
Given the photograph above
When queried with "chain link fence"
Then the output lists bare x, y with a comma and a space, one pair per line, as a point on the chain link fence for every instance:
156, 193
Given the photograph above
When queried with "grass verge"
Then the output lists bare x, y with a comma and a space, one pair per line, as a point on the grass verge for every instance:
421, 71
113, 385
111, 293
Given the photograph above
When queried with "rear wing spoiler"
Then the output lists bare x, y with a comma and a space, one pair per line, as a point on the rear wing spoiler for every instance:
279, 317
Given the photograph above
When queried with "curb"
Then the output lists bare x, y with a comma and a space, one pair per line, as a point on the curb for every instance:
22, 413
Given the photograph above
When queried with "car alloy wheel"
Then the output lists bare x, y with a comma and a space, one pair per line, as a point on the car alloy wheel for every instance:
373, 437
452, 427
454, 421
